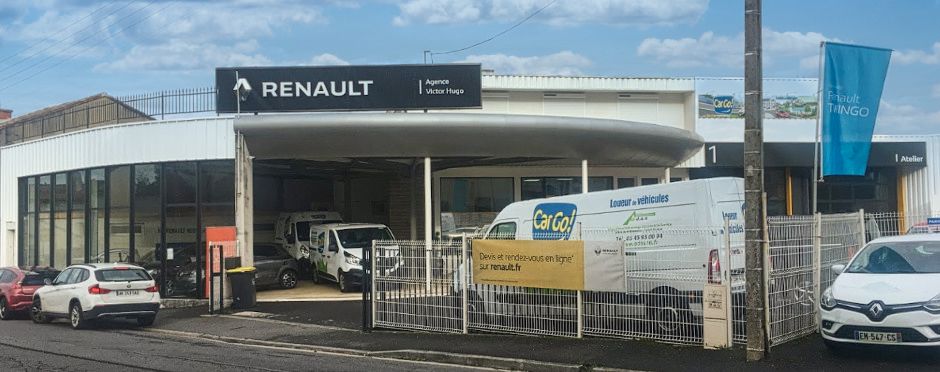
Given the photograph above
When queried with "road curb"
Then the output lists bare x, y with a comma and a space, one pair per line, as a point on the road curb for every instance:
408, 354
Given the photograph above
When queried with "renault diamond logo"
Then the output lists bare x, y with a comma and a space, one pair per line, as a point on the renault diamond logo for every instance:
876, 310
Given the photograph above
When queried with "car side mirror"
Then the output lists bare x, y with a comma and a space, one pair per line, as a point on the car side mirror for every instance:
334, 247
290, 239
47, 281
838, 269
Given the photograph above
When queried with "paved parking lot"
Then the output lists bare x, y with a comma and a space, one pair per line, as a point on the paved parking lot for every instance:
306, 290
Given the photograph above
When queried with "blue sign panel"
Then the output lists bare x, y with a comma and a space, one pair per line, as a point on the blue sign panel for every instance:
933, 221
553, 221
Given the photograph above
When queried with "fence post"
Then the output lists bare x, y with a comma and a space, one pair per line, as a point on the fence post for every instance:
726, 280
767, 271
861, 228
817, 262
464, 263
372, 286
580, 297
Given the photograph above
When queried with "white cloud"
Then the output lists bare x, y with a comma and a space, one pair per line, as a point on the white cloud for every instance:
710, 49
563, 12
327, 59
209, 29
183, 55
906, 119
929, 57
561, 63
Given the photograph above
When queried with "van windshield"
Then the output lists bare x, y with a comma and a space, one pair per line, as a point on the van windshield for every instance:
361, 238
898, 258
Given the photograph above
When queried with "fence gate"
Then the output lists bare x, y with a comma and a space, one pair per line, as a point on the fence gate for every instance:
802, 252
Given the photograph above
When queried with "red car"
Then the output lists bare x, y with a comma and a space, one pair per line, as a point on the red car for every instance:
17, 286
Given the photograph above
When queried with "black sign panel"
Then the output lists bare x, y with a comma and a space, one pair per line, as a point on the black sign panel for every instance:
347, 88
785, 154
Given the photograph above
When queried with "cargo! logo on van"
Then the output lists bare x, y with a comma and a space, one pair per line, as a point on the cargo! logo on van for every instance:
553, 221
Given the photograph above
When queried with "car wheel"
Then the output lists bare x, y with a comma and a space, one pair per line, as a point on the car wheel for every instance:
35, 313
146, 321
288, 279
4, 311
77, 317
341, 280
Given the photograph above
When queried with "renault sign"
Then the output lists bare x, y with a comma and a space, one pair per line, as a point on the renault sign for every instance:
347, 88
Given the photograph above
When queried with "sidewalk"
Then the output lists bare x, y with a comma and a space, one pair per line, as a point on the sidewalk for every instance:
333, 330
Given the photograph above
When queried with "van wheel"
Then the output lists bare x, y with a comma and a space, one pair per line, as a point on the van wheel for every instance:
35, 313
4, 311
341, 280
669, 314
76, 317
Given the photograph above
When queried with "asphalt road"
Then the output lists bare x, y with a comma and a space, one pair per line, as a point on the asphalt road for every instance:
25, 346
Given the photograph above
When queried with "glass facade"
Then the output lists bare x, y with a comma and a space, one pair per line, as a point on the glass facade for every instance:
149, 214
546, 187
473, 202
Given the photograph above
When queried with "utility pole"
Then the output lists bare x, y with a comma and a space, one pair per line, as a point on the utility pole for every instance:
754, 218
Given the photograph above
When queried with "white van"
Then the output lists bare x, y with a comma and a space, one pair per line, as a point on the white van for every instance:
633, 216
337, 252
292, 231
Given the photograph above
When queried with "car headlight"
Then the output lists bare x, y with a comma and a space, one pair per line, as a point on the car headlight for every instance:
352, 260
827, 302
933, 305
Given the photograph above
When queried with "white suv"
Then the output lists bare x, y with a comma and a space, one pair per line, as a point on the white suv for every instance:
88, 292
888, 294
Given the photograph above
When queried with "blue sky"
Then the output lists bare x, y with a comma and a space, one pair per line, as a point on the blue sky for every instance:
52, 51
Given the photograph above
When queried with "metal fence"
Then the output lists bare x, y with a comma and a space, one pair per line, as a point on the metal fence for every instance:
428, 287
898, 223
101, 110
665, 270
801, 251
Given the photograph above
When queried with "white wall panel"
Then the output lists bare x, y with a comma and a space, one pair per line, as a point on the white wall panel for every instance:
159, 141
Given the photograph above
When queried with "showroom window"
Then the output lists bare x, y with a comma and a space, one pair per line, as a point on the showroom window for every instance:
547, 187
98, 215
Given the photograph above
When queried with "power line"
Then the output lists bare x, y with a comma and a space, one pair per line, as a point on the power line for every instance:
88, 47
517, 24
74, 44
49, 38
60, 40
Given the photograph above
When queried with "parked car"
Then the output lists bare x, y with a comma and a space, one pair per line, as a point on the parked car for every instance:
88, 292
889, 293
17, 286
274, 266
292, 231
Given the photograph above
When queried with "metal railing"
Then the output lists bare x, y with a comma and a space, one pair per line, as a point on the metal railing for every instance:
432, 290
104, 110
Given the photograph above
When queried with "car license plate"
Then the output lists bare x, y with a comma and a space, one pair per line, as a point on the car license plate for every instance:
881, 337
126, 293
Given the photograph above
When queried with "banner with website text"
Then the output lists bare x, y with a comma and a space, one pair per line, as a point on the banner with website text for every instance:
552, 264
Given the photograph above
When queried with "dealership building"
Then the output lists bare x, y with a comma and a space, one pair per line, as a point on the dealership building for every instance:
116, 180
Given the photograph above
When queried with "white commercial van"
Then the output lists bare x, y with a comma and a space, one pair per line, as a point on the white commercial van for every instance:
337, 252
670, 232
292, 231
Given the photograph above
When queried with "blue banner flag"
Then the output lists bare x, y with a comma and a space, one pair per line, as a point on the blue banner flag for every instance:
853, 78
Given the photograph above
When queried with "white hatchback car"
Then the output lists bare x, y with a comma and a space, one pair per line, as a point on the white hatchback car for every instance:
888, 294
88, 292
